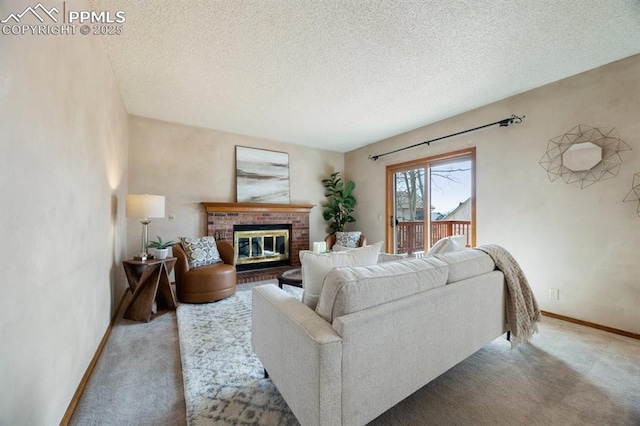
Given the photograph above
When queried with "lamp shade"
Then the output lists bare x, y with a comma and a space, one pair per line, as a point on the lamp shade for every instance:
144, 206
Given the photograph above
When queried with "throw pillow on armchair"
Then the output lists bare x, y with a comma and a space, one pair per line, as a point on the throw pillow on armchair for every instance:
348, 239
200, 251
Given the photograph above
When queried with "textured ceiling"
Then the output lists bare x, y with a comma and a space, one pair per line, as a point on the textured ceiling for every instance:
340, 74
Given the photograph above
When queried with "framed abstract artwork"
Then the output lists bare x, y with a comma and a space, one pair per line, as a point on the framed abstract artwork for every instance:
262, 176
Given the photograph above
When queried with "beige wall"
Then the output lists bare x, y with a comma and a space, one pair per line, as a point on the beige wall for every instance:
585, 242
189, 165
63, 160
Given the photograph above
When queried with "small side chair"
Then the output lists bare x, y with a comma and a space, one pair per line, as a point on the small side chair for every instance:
205, 283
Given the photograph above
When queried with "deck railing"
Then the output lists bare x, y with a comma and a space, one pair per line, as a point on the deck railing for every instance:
411, 233
410, 236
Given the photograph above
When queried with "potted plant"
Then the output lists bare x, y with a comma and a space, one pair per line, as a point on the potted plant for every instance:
340, 203
161, 247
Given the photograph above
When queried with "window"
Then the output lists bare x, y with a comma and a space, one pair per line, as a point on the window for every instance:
429, 199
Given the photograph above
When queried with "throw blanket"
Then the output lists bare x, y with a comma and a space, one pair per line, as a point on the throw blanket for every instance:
522, 308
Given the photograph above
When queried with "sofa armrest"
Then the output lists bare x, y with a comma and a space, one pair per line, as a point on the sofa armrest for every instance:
302, 354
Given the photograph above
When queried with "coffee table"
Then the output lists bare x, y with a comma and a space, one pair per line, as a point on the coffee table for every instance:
292, 277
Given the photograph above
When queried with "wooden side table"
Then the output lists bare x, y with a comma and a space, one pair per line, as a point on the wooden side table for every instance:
148, 281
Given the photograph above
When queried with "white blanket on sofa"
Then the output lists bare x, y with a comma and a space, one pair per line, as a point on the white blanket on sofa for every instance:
521, 305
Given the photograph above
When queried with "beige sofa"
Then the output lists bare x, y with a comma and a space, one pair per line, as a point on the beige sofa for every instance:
378, 334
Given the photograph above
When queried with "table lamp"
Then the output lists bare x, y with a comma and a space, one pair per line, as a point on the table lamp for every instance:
145, 207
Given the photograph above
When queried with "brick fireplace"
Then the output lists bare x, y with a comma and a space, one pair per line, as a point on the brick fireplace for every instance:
221, 217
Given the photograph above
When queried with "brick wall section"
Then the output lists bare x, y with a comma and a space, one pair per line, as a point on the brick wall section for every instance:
220, 226
256, 275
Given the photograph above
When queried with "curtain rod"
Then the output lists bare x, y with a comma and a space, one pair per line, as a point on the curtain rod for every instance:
503, 123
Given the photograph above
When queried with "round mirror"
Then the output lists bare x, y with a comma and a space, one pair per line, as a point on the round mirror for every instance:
582, 156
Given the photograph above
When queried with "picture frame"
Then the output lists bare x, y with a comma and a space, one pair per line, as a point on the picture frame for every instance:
262, 176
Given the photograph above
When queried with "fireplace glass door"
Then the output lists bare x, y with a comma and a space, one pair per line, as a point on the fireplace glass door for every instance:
261, 246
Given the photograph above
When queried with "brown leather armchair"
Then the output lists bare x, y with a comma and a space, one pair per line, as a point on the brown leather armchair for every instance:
331, 240
205, 283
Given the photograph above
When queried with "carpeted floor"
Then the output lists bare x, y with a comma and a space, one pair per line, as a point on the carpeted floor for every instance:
138, 378
568, 375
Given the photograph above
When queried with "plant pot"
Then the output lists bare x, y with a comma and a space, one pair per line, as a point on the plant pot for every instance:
161, 253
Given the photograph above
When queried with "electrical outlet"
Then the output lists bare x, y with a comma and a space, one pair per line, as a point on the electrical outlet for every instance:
554, 294
172, 217
217, 234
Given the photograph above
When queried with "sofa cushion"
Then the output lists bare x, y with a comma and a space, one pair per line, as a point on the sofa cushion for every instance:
466, 264
448, 244
315, 266
390, 257
200, 251
348, 239
352, 289
382, 257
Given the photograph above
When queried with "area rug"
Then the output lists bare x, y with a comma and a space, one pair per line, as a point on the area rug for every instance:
223, 379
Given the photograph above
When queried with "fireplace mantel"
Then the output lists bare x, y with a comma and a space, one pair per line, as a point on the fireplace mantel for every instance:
213, 207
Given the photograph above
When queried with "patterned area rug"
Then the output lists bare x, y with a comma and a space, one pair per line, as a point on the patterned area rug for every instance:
223, 380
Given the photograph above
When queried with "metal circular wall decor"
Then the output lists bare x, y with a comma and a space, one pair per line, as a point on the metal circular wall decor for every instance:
634, 195
584, 155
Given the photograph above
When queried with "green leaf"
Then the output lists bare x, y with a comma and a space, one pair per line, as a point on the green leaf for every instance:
350, 186
160, 244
